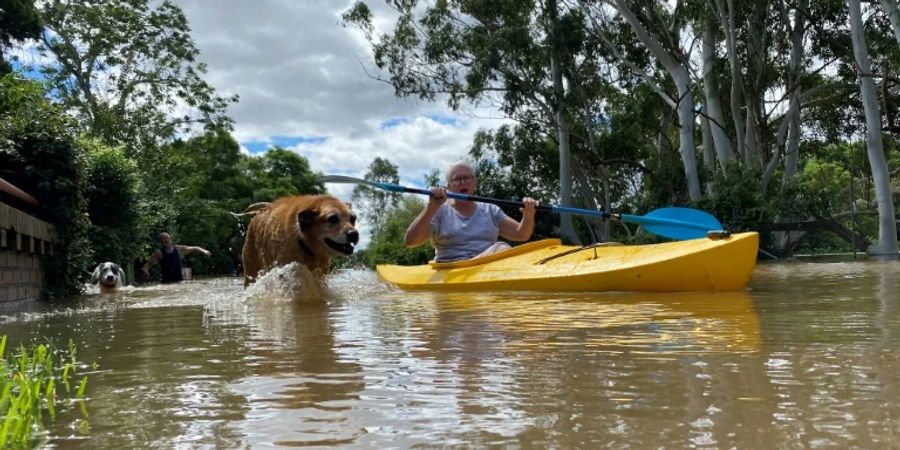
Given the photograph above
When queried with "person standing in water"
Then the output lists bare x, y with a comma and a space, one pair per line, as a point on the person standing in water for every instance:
169, 257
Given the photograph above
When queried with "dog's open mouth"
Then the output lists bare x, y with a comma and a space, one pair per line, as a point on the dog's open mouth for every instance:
346, 249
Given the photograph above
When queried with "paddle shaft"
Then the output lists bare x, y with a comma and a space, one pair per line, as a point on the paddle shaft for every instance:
630, 218
510, 203
671, 222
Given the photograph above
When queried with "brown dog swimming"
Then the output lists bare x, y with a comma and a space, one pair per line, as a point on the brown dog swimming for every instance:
307, 229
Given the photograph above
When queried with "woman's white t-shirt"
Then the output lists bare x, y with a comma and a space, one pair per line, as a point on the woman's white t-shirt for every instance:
457, 237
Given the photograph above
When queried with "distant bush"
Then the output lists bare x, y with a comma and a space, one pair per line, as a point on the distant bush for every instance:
112, 203
388, 245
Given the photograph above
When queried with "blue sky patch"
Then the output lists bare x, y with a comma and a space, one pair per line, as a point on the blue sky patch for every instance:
31, 73
446, 120
282, 141
443, 120
391, 123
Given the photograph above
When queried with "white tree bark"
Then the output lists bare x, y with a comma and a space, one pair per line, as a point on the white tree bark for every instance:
887, 223
680, 75
796, 31
893, 12
792, 148
713, 107
751, 136
709, 150
726, 15
566, 228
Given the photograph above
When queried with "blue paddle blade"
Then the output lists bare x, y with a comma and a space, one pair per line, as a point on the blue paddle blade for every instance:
676, 222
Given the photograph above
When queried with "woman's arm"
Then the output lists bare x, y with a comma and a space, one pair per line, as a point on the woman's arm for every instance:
519, 231
419, 230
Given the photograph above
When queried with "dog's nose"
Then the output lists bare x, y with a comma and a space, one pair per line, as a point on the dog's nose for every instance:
353, 236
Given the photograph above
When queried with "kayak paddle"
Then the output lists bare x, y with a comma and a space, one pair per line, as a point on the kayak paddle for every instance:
672, 222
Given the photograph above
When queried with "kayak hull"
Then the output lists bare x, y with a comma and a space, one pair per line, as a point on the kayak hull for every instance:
704, 264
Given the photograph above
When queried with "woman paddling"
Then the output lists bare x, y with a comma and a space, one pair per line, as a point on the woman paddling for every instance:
461, 229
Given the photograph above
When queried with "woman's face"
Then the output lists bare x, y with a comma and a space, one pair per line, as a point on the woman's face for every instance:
462, 180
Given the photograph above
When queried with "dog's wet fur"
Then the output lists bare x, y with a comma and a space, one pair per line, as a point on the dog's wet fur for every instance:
307, 229
109, 277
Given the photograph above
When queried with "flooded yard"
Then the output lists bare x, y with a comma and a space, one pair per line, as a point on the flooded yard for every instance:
805, 358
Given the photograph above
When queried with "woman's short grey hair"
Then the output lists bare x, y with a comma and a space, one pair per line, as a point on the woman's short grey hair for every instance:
457, 165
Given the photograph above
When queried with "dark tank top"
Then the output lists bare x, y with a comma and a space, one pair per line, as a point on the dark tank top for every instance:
170, 265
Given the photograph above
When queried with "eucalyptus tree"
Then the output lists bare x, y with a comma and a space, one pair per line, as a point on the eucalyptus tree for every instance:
887, 229
19, 21
512, 54
129, 70
893, 13
663, 42
377, 203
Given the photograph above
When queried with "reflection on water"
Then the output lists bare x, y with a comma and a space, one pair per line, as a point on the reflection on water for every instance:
805, 358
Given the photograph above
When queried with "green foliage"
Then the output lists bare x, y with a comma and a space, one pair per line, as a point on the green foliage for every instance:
144, 52
388, 245
200, 181
39, 154
375, 203
19, 20
515, 162
287, 173
35, 382
739, 203
112, 203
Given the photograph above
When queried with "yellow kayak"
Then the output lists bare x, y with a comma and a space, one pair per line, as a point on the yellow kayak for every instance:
705, 264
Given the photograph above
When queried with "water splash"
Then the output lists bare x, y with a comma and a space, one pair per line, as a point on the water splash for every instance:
293, 282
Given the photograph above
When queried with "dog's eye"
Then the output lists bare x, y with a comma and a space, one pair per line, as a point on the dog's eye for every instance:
334, 220
353, 220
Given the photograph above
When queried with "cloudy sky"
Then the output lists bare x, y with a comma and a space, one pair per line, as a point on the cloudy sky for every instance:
305, 84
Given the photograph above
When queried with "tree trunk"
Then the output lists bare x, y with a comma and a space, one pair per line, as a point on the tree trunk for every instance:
709, 152
726, 15
715, 119
893, 12
662, 136
792, 148
604, 228
709, 149
566, 229
887, 222
686, 131
792, 151
751, 137
586, 192
679, 74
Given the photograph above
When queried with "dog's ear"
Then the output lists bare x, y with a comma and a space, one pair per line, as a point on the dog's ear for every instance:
307, 217
121, 274
349, 205
95, 277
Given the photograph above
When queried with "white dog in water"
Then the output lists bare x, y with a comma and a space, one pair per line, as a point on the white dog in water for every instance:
109, 276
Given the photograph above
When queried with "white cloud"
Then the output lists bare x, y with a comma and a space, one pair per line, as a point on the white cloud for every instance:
301, 74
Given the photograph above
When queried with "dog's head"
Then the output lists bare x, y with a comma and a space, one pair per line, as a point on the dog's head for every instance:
108, 274
328, 226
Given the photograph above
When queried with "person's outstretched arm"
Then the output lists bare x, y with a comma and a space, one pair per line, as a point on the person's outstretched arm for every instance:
154, 257
419, 230
188, 249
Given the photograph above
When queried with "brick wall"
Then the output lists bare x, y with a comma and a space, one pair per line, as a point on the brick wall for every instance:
23, 239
